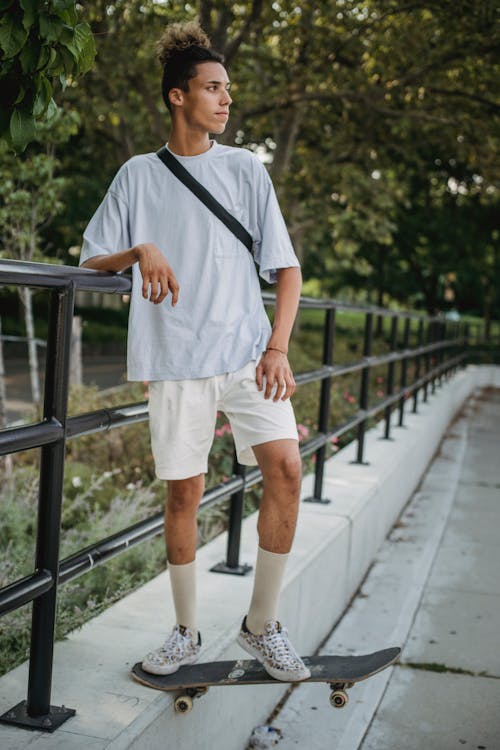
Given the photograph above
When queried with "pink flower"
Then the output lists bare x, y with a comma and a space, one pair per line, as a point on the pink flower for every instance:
333, 444
303, 431
349, 397
380, 379
380, 393
223, 429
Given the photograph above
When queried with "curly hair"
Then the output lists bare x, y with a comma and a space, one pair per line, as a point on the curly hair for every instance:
180, 48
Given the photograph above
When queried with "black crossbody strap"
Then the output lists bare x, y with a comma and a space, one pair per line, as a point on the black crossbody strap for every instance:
205, 197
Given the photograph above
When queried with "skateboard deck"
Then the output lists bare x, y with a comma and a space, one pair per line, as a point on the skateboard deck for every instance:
340, 672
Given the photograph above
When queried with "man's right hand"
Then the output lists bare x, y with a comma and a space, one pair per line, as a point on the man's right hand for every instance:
158, 277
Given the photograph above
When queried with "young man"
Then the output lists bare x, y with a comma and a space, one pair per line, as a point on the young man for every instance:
199, 333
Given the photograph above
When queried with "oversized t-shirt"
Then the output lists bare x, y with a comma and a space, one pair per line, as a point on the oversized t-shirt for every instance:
219, 323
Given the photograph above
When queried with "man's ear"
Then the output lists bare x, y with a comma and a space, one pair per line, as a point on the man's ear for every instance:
176, 97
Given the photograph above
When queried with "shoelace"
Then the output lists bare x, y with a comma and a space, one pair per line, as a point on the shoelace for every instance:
283, 648
171, 644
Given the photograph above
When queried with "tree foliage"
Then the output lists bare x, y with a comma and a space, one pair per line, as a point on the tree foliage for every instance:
42, 47
377, 119
30, 197
31, 190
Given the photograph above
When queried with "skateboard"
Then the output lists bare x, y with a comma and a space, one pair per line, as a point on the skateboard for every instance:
339, 672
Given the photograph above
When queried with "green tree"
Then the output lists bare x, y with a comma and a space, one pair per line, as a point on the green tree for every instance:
349, 102
30, 197
42, 48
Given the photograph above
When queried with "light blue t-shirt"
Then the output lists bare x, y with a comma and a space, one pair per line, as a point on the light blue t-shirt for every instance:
219, 323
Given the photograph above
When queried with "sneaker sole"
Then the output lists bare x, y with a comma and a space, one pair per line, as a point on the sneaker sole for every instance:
161, 671
281, 676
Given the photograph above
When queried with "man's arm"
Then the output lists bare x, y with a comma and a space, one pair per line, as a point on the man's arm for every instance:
158, 277
274, 364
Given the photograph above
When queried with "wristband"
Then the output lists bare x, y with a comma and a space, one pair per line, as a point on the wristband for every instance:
273, 349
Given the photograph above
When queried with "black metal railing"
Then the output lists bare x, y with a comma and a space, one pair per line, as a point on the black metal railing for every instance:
441, 347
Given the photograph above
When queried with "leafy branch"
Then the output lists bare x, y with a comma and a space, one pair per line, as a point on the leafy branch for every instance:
42, 44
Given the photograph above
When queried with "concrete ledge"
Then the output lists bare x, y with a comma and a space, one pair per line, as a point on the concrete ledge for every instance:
334, 547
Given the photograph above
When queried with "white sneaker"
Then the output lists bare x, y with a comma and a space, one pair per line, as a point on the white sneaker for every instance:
274, 651
181, 647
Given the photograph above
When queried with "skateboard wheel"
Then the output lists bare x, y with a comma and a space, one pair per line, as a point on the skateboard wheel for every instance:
183, 704
338, 698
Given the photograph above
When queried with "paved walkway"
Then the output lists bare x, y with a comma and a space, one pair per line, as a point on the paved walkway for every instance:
434, 589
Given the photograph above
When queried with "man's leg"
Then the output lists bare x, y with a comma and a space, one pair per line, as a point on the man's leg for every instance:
279, 461
182, 420
183, 645
181, 536
181, 529
261, 634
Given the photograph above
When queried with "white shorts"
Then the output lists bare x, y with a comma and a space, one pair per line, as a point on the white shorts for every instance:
183, 413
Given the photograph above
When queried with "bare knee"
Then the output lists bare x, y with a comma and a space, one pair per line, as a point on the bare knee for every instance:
184, 495
291, 469
287, 470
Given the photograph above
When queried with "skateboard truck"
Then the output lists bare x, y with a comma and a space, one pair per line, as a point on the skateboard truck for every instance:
339, 698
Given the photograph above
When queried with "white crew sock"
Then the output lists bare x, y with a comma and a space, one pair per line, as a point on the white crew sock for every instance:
269, 571
183, 583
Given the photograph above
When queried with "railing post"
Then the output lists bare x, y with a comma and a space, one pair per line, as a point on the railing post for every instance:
427, 360
450, 350
433, 338
36, 711
390, 375
442, 337
404, 370
232, 564
418, 358
437, 352
456, 348
462, 344
364, 387
324, 407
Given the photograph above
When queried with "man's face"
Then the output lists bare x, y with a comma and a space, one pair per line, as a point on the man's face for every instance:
205, 106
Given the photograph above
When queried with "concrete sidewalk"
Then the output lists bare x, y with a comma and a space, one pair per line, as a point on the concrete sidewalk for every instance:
335, 546
434, 589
